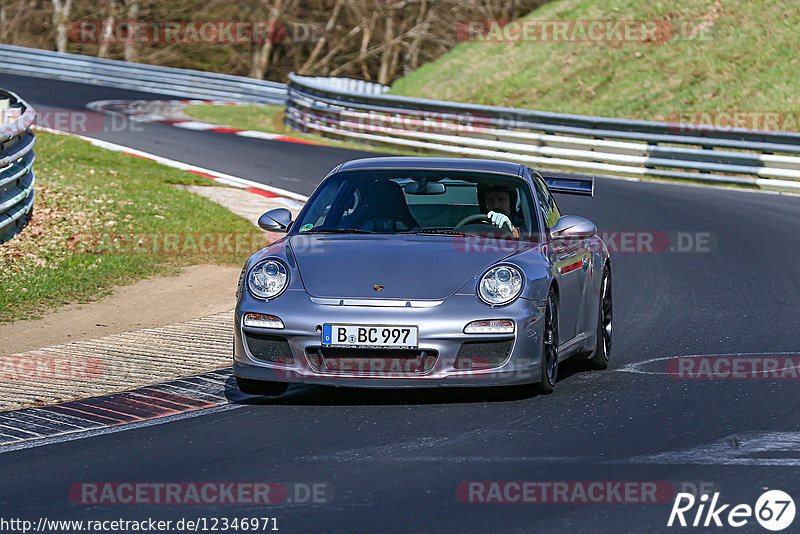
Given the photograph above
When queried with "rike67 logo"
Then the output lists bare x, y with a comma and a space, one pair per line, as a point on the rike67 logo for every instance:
774, 510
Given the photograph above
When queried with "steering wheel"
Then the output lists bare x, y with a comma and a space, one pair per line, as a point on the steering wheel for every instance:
478, 217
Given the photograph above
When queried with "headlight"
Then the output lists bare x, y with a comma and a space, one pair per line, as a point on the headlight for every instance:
500, 285
268, 279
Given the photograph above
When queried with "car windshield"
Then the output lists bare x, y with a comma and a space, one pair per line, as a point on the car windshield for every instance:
420, 202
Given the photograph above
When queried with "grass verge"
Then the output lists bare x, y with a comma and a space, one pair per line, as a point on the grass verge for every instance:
102, 219
731, 55
270, 119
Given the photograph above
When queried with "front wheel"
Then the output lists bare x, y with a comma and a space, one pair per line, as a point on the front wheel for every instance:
602, 351
549, 347
261, 387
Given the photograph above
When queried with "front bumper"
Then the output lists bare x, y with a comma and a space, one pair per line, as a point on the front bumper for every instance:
441, 333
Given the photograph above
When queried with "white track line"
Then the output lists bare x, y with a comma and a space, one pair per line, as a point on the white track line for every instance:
635, 367
81, 434
223, 178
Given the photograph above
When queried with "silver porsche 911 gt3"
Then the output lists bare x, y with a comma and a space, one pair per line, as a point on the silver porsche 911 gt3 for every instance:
421, 272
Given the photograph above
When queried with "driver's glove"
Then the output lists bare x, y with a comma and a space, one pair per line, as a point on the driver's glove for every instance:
499, 219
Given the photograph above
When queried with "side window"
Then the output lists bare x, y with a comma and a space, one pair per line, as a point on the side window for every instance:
547, 204
541, 199
554, 215
353, 203
321, 207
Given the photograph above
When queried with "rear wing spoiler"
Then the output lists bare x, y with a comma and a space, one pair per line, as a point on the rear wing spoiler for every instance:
569, 183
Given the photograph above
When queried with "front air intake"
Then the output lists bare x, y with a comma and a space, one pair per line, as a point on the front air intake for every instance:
372, 362
272, 349
474, 355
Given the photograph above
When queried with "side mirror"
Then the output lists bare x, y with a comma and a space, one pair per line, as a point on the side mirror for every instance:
277, 220
573, 227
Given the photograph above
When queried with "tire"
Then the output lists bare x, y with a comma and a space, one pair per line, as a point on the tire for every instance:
549, 347
261, 387
602, 350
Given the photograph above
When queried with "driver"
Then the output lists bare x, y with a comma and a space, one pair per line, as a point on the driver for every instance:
498, 203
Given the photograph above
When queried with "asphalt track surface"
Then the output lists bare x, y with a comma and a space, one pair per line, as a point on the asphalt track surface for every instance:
393, 459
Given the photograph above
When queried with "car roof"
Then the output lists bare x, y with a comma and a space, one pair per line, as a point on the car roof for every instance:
456, 164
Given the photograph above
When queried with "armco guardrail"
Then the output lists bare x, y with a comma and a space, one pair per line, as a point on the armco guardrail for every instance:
347, 85
16, 163
148, 78
551, 140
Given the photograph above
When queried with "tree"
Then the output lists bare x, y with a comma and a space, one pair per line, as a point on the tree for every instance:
107, 31
61, 11
376, 40
129, 48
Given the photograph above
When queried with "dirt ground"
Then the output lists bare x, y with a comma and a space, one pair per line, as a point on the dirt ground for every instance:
198, 291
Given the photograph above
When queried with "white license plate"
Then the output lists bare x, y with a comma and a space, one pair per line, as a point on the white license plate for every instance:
401, 337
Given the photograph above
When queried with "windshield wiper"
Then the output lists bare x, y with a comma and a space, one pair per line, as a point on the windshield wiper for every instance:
338, 231
436, 231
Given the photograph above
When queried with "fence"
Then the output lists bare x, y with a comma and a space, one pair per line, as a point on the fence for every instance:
549, 140
148, 78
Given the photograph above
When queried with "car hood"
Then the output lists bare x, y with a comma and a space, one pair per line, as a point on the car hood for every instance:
408, 267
